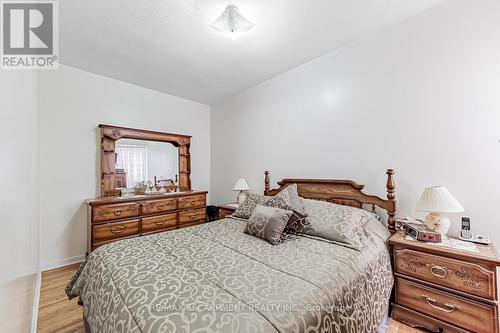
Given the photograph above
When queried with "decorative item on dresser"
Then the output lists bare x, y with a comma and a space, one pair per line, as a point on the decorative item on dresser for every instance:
112, 219
227, 209
444, 289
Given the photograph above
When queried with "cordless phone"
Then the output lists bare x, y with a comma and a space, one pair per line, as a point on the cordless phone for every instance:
467, 235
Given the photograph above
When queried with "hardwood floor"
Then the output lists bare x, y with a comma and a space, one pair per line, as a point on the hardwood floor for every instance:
397, 327
58, 314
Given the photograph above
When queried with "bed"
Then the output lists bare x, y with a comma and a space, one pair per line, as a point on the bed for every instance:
215, 278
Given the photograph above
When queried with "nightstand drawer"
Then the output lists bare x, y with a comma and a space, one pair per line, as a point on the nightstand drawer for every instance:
419, 320
462, 312
223, 213
460, 275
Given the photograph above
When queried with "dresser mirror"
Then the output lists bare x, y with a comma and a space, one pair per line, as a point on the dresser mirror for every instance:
137, 162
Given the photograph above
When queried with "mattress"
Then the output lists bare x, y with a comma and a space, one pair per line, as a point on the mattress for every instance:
215, 278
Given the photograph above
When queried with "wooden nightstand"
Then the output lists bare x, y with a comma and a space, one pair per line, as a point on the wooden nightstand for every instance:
444, 289
226, 209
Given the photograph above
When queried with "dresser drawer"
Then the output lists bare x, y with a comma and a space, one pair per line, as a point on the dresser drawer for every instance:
114, 212
189, 216
158, 223
158, 206
461, 312
460, 275
192, 201
115, 230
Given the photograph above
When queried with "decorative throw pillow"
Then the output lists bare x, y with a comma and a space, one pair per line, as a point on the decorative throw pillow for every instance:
335, 222
294, 199
280, 200
246, 208
289, 199
268, 223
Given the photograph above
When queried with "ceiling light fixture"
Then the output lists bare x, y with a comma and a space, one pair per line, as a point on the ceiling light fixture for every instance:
232, 23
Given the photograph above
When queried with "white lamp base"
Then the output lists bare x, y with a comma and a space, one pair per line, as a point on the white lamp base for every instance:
438, 222
241, 197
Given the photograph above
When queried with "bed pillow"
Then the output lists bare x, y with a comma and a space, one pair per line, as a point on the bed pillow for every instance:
246, 208
295, 200
335, 222
268, 223
289, 199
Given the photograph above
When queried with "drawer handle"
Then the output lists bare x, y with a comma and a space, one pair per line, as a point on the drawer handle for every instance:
117, 212
160, 207
438, 271
192, 216
118, 230
448, 308
159, 222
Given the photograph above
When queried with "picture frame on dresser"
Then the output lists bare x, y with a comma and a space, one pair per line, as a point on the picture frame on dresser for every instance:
444, 289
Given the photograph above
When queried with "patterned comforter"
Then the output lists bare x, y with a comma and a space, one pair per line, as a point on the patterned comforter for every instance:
215, 278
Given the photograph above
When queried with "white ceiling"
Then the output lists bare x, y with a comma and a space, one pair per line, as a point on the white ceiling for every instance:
167, 45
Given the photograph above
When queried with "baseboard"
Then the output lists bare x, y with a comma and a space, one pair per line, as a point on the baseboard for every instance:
36, 302
61, 263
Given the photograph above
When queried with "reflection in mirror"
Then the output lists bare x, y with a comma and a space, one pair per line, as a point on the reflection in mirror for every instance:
139, 162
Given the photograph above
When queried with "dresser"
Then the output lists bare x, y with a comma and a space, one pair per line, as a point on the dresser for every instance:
443, 289
115, 218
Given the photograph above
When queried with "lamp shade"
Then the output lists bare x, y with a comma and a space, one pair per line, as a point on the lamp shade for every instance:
437, 199
241, 185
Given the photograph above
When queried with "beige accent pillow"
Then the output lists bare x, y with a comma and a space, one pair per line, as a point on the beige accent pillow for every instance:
335, 222
246, 208
268, 223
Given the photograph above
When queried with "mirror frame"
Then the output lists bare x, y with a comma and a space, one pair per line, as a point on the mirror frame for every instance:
110, 134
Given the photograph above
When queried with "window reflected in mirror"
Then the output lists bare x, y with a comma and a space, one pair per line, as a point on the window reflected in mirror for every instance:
139, 162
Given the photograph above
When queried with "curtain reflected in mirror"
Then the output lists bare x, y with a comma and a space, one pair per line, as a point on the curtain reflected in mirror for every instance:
140, 163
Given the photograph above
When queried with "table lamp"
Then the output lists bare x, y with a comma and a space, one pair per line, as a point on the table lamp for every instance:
437, 200
241, 185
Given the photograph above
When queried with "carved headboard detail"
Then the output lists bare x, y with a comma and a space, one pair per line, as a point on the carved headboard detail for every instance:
341, 192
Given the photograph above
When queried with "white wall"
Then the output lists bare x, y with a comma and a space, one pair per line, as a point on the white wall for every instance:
19, 173
422, 97
72, 104
19, 198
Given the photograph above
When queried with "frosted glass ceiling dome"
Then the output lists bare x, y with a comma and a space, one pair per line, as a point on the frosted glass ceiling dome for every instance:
232, 23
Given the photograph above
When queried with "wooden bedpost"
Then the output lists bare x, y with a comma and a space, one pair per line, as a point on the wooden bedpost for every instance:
266, 183
391, 221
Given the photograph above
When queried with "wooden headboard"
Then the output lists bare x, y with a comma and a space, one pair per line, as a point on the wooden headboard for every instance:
341, 192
